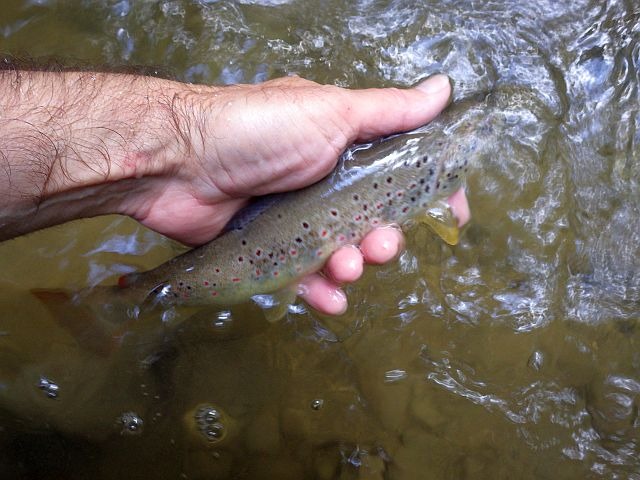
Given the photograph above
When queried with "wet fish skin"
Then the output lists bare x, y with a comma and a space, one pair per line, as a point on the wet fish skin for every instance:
285, 237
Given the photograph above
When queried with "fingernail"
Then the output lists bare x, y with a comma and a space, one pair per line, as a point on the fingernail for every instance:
434, 84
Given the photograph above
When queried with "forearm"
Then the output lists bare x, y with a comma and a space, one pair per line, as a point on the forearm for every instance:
77, 144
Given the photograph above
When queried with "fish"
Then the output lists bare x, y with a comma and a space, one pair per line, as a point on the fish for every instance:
274, 242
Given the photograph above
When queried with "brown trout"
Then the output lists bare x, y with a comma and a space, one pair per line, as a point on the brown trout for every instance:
279, 239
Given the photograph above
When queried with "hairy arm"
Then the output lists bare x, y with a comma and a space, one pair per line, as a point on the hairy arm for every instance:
76, 144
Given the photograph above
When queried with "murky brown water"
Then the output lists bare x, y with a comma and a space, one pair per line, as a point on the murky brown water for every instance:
512, 355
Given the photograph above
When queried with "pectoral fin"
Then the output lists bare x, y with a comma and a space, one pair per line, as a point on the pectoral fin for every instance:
441, 220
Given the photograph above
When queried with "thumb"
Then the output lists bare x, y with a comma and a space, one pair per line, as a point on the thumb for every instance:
383, 111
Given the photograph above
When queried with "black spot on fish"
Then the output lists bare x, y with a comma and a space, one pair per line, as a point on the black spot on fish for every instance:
418, 164
422, 180
389, 179
240, 259
375, 186
305, 225
427, 188
431, 172
298, 239
413, 199
356, 197
438, 184
334, 213
244, 242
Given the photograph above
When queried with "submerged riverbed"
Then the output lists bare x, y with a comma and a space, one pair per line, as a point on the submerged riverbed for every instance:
511, 355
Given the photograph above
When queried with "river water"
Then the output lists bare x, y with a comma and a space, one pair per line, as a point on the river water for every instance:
512, 355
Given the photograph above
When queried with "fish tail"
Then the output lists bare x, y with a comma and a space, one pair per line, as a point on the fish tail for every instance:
95, 318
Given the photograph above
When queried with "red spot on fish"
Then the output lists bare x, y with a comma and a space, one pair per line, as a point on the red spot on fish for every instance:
357, 218
258, 252
258, 272
318, 253
276, 273
123, 282
282, 258
293, 252
405, 209
324, 233
235, 279
399, 194
341, 238
379, 205
205, 283
214, 293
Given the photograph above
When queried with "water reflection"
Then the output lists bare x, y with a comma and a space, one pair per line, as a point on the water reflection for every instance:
513, 354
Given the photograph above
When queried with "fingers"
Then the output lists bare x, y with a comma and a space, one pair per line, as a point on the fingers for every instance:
382, 111
323, 295
381, 245
460, 207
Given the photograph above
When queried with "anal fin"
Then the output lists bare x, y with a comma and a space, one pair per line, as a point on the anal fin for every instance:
276, 305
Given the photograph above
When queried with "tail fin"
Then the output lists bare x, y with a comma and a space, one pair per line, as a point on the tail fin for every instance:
79, 317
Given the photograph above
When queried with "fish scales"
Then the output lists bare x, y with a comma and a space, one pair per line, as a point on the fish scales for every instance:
282, 238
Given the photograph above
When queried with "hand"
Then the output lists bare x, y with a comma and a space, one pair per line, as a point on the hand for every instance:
278, 136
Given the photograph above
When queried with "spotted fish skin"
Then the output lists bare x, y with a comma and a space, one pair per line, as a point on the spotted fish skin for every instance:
278, 241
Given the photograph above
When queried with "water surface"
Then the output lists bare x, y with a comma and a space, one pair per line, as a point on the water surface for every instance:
512, 355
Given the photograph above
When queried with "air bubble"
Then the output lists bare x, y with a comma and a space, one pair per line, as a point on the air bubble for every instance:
317, 404
209, 422
49, 387
130, 423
